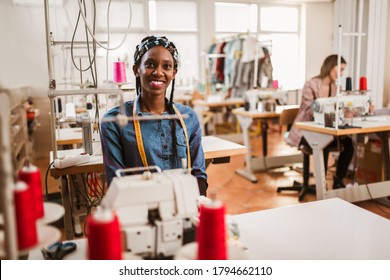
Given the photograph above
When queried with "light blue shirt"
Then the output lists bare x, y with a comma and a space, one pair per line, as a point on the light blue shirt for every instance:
120, 148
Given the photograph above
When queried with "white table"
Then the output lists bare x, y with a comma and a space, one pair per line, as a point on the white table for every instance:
69, 136
217, 150
330, 229
265, 162
319, 138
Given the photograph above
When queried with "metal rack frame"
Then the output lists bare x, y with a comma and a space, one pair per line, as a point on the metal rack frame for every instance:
7, 180
53, 92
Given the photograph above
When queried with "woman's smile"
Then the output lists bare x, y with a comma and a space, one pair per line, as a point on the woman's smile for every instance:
157, 84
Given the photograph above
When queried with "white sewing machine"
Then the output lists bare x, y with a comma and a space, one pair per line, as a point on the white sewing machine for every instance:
91, 133
357, 102
256, 98
155, 210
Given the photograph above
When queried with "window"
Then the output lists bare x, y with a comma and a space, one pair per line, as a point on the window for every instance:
178, 20
279, 19
173, 15
280, 26
120, 13
285, 60
277, 28
235, 17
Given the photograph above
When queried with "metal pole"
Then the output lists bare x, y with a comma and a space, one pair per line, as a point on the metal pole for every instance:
338, 79
6, 181
52, 82
359, 44
48, 46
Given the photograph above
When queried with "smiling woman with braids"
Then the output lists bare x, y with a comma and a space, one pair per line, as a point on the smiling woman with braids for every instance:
154, 142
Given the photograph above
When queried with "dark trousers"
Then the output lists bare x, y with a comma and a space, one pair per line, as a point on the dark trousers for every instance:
344, 145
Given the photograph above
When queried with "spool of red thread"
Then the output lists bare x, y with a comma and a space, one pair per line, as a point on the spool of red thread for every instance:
363, 83
119, 72
25, 216
32, 176
104, 237
211, 232
275, 84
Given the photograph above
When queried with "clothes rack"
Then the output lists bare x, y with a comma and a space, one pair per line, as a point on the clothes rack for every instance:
238, 63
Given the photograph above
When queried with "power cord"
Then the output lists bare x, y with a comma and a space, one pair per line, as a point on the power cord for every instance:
93, 34
46, 187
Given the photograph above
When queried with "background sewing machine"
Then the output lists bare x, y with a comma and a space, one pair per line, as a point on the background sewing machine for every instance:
155, 210
91, 134
359, 104
265, 99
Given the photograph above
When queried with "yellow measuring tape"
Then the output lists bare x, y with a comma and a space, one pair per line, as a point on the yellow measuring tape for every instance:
140, 144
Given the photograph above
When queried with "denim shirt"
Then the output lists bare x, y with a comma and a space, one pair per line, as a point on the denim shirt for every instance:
120, 148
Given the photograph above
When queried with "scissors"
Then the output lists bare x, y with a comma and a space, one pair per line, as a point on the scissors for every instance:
58, 250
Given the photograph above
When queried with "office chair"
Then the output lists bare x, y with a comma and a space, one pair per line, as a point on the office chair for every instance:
287, 118
304, 187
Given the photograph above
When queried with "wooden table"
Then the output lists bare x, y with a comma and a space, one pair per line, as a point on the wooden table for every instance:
319, 138
216, 150
265, 162
185, 99
213, 106
69, 136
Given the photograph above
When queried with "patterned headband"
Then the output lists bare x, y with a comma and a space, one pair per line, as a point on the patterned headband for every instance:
153, 41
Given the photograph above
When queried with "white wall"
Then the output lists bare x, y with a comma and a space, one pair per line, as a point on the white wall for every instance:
24, 52
23, 48
386, 95
319, 37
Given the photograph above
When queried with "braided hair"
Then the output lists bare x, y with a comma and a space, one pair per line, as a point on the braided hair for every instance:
146, 44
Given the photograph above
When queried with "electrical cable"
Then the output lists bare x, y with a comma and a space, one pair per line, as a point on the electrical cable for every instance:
92, 202
94, 189
72, 46
108, 38
92, 62
46, 187
94, 44
97, 41
367, 187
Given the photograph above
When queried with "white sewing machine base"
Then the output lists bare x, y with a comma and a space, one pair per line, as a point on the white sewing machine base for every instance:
318, 141
266, 162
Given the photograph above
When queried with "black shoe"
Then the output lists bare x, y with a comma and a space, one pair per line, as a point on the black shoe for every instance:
337, 183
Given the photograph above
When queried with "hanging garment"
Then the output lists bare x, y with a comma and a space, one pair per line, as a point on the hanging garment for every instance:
233, 51
220, 63
249, 50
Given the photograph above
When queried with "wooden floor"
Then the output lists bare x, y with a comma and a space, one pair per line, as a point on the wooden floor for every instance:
239, 194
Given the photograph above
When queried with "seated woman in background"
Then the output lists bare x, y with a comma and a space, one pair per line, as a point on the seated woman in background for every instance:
162, 142
323, 85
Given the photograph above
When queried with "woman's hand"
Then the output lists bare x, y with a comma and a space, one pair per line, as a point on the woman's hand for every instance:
348, 113
371, 109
